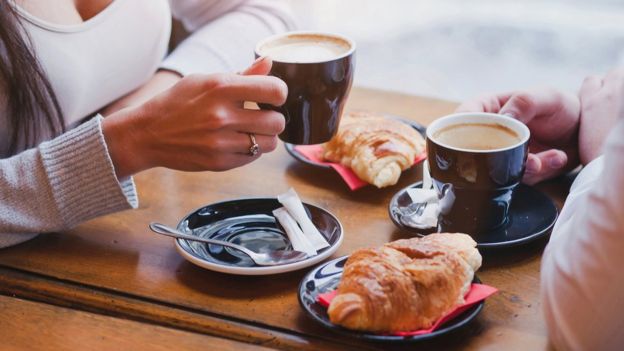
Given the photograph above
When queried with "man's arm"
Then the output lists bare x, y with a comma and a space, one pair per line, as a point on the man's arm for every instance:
582, 268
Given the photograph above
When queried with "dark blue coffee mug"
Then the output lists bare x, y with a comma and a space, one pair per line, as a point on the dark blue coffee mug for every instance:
317, 90
475, 186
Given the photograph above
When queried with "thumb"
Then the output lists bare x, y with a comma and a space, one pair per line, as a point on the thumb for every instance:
260, 67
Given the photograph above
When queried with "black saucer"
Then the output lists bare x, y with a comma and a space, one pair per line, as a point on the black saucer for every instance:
290, 148
531, 216
249, 223
325, 278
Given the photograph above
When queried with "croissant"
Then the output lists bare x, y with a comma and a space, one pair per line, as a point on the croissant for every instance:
375, 147
405, 285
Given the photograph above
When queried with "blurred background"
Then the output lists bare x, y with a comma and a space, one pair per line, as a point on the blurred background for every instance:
456, 49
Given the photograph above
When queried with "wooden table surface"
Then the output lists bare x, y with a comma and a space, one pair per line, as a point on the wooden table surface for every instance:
117, 267
27, 325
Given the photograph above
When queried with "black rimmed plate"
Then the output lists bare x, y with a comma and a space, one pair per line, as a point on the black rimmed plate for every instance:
531, 216
291, 149
250, 223
325, 278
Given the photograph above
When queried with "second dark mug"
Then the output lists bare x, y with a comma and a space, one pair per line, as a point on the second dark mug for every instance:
475, 186
318, 70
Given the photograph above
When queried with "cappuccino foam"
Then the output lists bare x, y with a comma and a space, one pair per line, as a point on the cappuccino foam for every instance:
305, 48
477, 136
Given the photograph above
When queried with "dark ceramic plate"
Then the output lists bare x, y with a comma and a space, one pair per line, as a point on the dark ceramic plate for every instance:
250, 223
325, 278
290, 148
531, 216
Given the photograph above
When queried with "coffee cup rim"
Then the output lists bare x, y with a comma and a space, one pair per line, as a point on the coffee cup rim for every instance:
508, 121
307, 32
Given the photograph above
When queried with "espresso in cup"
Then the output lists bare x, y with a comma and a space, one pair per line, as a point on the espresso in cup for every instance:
318, 70
476, 160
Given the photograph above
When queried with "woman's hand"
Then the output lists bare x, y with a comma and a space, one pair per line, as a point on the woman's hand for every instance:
552, 117
602, 103
199, 124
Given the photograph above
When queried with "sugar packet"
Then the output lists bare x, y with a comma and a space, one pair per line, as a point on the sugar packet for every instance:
293, 204
297, 239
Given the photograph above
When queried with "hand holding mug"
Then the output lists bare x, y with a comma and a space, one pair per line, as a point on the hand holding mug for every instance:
553, 118
199, 124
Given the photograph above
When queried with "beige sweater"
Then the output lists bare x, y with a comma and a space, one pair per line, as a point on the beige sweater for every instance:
70, 179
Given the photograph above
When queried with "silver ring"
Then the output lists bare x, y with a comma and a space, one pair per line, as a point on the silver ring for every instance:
254, 149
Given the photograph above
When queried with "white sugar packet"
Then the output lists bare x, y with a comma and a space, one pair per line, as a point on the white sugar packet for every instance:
293, 204
428, 197
295, 235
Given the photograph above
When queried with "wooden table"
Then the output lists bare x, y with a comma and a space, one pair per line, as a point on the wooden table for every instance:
27, 325
114, 266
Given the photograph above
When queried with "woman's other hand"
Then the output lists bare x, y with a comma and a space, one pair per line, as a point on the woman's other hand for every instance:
602, 103
198, 124
552, 117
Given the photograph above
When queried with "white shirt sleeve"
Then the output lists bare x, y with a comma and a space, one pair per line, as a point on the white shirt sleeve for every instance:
224, 33
582, 277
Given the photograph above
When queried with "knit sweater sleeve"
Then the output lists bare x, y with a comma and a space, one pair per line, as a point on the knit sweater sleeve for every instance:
224, 33
60, 184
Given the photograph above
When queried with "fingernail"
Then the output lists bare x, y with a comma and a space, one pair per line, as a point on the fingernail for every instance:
258, 60
556, 162
531, 166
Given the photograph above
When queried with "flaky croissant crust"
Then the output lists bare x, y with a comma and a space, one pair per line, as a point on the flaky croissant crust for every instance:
405, 285
375, 147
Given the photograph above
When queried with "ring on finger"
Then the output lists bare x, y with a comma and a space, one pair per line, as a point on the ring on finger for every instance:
254, 149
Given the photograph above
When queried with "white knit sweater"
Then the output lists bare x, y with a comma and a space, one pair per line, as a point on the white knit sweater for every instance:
70, 179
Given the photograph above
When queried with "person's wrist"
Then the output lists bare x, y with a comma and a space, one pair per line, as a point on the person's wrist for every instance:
123, 139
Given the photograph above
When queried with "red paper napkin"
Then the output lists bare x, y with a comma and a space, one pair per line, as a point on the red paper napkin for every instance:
476, 294
314, 153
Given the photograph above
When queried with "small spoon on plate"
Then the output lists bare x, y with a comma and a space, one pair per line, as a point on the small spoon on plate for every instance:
272, 258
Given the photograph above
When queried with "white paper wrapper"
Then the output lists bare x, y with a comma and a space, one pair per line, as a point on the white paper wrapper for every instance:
428, 196
293, 204
295, 235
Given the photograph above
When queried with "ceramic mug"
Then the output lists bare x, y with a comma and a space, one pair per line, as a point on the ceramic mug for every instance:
318, 70
475, 186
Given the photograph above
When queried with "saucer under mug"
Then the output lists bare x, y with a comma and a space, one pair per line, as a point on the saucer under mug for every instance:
531, 216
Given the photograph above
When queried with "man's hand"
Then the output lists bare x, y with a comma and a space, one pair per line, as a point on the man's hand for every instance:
602, 103
553, 118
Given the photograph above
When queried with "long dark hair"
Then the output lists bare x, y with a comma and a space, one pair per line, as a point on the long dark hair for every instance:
31, 102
